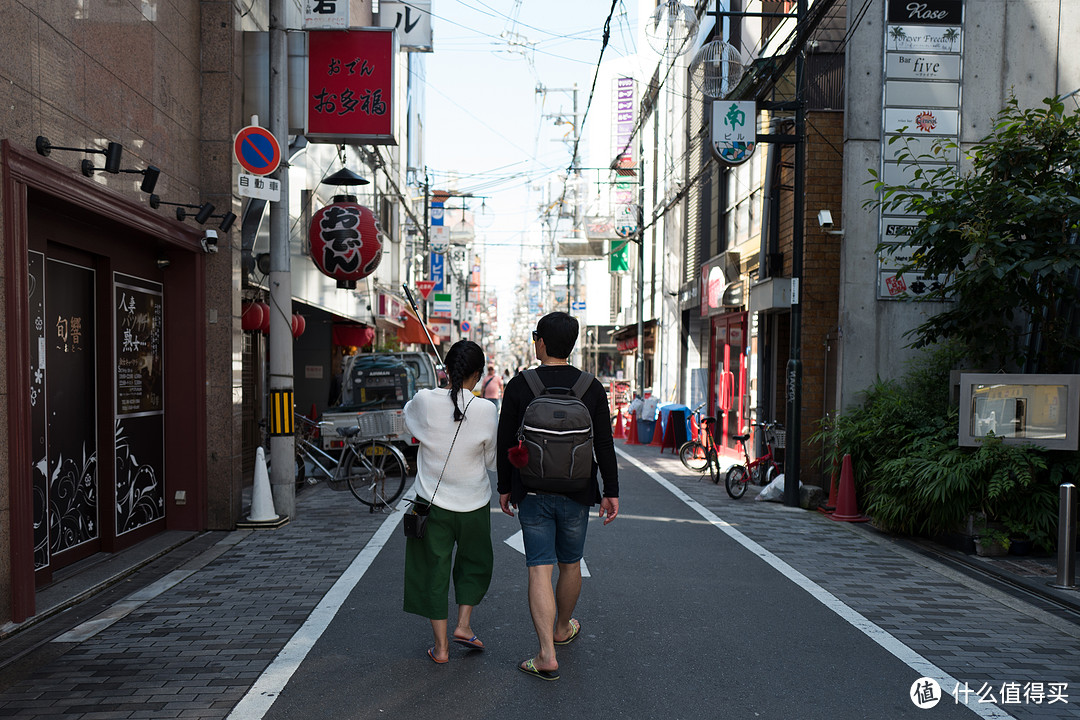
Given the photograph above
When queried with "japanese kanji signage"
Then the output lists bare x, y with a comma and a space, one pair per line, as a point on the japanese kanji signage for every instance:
351, 86
326, 14
412, 20
346, 243
734, 130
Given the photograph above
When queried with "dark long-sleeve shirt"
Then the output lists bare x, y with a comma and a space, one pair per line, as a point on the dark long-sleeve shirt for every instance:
516, 395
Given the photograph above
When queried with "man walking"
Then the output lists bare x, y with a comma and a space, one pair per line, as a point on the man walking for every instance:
554, 524
491, 387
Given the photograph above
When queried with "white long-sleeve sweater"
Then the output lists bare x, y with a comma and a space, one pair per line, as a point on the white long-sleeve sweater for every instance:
429, 417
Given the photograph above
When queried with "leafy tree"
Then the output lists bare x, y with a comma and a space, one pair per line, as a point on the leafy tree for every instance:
1004, 238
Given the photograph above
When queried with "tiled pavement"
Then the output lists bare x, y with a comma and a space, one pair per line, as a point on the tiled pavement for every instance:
194, 643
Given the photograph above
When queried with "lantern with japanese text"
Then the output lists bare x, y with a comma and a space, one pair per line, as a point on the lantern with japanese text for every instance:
345, 241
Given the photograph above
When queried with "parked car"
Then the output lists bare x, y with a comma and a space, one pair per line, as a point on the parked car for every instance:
372, 382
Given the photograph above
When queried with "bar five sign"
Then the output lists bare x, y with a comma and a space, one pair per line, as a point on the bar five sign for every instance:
351, 86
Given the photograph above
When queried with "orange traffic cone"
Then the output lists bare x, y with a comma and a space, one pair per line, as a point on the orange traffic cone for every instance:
631, 433
619, 433
658, 433
846, 508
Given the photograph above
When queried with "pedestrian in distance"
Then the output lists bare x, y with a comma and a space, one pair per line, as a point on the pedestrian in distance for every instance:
457, 447
554, 521
492, 387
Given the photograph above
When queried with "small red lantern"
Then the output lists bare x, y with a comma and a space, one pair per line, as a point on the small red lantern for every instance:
264, 328
345, 240
298, 325
251, 316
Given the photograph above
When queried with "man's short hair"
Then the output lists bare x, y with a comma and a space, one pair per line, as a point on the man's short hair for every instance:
560, 332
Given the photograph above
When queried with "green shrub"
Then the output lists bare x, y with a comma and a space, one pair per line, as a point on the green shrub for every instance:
912, 478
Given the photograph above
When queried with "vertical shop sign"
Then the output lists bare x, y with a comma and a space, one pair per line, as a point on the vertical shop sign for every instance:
412, 20
351, 86
38, 418
71, 406
139, 387
326, 14
922, 75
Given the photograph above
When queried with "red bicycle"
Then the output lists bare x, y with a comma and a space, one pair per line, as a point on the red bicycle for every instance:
760, 471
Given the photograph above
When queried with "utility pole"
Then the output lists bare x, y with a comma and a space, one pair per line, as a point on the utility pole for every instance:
794, 364
282, 440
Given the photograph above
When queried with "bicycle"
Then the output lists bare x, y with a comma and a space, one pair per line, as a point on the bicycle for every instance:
701, 456
370, 466
760, 471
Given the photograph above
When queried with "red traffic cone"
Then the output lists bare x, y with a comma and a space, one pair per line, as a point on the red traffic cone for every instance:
658, 433
631, 432
846, 508
620, 430
830, 504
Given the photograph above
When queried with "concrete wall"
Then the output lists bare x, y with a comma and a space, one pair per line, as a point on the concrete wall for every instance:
1024, 47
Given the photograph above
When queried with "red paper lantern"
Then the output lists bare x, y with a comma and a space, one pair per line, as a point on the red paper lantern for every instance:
264, 328
345, 241
298, 325
251, 316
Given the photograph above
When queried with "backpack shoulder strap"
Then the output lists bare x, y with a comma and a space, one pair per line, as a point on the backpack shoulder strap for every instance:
582, 384
535, 383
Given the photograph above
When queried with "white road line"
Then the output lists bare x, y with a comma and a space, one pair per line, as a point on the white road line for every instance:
257, 701
882, 637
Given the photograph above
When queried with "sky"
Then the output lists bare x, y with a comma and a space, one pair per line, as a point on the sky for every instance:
489, 127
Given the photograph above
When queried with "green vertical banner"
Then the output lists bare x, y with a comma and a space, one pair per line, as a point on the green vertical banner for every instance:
618, 256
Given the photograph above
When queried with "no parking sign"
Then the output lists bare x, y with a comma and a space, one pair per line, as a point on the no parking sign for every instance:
257, 150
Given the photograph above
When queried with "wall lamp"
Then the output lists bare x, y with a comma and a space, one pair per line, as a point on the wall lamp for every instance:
112, 154
203, 212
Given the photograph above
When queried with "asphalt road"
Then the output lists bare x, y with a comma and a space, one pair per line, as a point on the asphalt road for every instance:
679, 620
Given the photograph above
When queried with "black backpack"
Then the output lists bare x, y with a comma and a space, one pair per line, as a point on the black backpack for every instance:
557, 431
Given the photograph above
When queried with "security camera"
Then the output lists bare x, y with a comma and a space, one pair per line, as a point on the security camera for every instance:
824, 218
209, 241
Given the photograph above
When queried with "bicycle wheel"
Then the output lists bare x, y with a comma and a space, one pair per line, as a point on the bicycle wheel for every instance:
694, 456
379, 477
714, 466
737, 480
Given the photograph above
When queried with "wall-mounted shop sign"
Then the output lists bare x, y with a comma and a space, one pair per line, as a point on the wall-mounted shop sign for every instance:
734, 130
412, 20
350, 86
326, 14
926, 12
922, 78
721, 287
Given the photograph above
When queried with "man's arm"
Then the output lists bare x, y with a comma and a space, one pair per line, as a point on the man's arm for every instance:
604, 442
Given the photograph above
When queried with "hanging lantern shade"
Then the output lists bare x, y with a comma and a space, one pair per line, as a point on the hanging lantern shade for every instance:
251, 316
264, 328
345, 240
716, 69
672, 28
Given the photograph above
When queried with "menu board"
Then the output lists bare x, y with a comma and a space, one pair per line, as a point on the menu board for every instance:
139, 313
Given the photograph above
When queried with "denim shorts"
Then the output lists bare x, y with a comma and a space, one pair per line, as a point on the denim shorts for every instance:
553, 528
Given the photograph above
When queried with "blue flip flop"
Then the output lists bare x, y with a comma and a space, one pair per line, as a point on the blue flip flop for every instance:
529, 668
473, 642
575, 630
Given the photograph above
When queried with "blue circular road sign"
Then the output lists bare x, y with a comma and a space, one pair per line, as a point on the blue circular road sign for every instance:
257, 150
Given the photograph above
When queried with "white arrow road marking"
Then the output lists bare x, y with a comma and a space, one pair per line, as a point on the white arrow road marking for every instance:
517, 541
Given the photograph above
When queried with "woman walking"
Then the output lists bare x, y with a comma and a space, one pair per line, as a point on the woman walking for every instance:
457, 448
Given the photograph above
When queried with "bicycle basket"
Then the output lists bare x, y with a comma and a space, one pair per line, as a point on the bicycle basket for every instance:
381, 423
779, 438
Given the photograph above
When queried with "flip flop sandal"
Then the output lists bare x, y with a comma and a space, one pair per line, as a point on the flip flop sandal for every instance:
431, 654
473, 642
529, 668
575, 630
